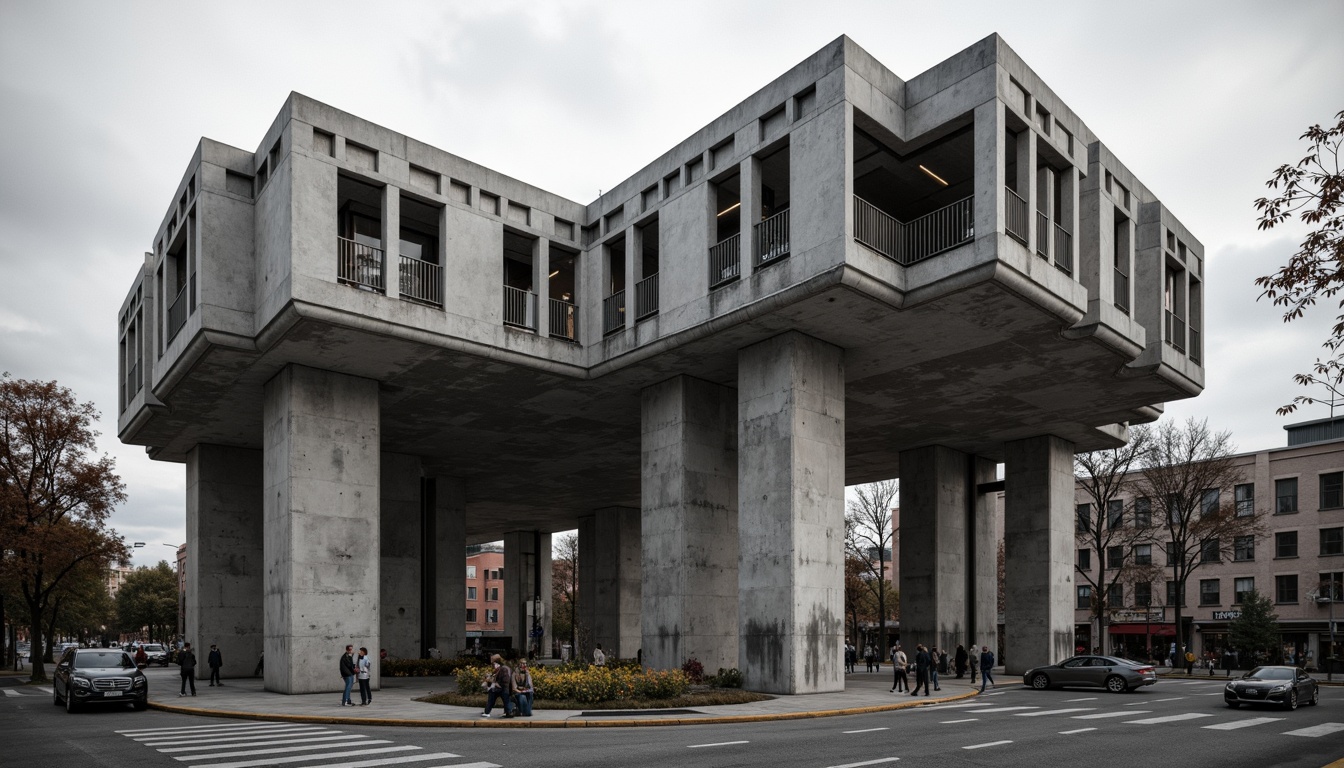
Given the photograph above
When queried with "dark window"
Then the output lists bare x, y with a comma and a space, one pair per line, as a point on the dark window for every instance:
1084, 559
1143, 513
1285, 589
1332, 541
1084, 598
1084, 522
1173, 556
1209, 592
1172, 597
471, 593
1143, 594
1115, 595
1332, 585
1285, 544
1208, 551
1243, 548
1115, 557
471, 615
1242, 588
1115, 514
1285, 496
1208, 501
1143, 554
1332, 490
1245, 497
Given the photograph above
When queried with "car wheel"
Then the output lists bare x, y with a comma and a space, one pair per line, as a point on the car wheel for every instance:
140, 705
1290, 703
1234, 705
70, 705
1116, 684
1040, 681
1315, 696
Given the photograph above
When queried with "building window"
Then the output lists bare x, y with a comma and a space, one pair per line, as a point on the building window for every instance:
1208, 502
1084, 522
1208, 551
471, 593
471, 571
1208, 592
1285, 544
493, 594
1115, 557
491, 615
1173, 598
1245, 498
1084, 598
1332, 541
1243, 548
1143, 512
1115, 514
1115, 595
1285, 496
1242, 588
1143, 554
1332, 585
1285, 589
471, 615
1143, 594
1173, 557
1332, 490
1084, 559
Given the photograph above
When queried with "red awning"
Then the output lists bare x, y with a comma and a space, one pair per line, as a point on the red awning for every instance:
1139, 629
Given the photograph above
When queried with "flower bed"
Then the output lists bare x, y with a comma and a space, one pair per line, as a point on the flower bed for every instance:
590, 685
427, 667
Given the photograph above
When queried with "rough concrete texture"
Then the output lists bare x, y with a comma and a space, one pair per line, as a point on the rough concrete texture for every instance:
610, 579
400, 539
225, 564
450, 565
689, 524
983, 555
521, 550
321, 525
1038, 545
791, 487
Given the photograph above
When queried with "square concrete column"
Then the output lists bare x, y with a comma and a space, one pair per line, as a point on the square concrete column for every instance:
321, 525
609, 579
749, 189
633, 260
1038, 552
1026, 182
948, 578
225, 564
392, 240
450, 565
401, 540
791, 486
990, 172
524, 552
541, 280
688, 528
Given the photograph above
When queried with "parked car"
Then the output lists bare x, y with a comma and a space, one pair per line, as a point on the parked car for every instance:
1282, 686
98, 676
1114, 674
157, 654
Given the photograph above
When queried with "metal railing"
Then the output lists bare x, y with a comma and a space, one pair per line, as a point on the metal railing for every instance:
1015, 215
646, 297
725, 261
359, 265
520, 308
772, 238
564, 320
613, 312
1121, 291
946, 228
1062, 243
177, 313
1175, 331
421, 281
1195, 351
1042, 235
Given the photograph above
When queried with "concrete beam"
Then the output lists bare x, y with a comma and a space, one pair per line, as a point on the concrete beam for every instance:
610, 580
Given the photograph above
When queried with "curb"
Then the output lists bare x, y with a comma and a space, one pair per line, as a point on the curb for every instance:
709, 720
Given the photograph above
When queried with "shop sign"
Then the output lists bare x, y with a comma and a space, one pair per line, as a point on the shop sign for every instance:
1138, 616
1226, 615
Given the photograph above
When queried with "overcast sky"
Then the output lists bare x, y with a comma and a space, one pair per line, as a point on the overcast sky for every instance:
102, 104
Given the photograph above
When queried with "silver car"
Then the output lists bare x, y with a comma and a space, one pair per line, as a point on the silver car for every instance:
1114, 674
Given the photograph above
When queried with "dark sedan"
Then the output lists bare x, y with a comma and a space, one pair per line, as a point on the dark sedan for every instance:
98, 676
1281, 686
1114, 674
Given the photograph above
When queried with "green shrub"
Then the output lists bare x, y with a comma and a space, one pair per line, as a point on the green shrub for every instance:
726, 678
469, 679
425, 667
593, 685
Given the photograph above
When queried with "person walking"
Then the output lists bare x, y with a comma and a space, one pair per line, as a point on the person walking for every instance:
923, 662
522, 686
363, 667
1189, 662
937, 658
187, 660
960, 661
348, 674
215, 660
599, 658
975, 663
141, 658
868, 658
986, 668
900, 682
499, 686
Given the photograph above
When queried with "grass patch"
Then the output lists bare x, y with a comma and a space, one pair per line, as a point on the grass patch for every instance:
693, 698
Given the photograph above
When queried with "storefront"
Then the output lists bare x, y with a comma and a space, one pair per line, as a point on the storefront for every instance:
1301, 643
1140, 634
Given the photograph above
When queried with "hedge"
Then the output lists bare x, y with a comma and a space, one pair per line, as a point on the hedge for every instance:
427, 667
590, 685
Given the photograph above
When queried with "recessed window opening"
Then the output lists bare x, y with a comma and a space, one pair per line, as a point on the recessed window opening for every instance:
916, 183
359, 241
561, 279
728, 207
517, 261
646, 290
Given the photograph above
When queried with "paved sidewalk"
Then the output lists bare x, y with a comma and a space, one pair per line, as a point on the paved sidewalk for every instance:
395, 704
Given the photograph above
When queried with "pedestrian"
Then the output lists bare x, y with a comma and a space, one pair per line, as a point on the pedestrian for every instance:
141, 658
215, 660
363, 666
187, 660
986, 668
348, 674
868, 657
851, 656
899, 662
975, 663
935, 656
1189, 662
499, 686
599, 658
923, 663
522, 686
960, 661
1229, 662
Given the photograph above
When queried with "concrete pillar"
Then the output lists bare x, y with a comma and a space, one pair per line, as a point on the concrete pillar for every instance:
1038, 552
401, 540
1068, 217
609, 580
749, 185
990, 142
688, 493
392, 240
224, 563
521, 552
791, 486
1026, 181
450, 565
321, 525
632, 263
541, 257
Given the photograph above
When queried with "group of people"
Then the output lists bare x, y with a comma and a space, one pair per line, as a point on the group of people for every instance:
512, 687
871, 658
186, 662
930, 662
356, 668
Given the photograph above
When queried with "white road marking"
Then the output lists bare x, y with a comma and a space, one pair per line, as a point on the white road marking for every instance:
716, 744
1324, 729
278, 750
244, 732
305, 758
43, 690
967, 720
1089, 698
1235, 724
866, 730
1076, 730
1101, 715
987, 744
1054, 712
266, 743
409, 759
867, 762
1170, 718
185, 728
11, 692
160, 741
1173, 698
1003, 709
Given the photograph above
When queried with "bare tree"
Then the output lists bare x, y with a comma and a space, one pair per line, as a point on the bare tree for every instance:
1186, 475
869, 537
565, 586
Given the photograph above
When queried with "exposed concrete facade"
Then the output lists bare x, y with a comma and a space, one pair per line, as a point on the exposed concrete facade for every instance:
610, 579
979, 267
527, 558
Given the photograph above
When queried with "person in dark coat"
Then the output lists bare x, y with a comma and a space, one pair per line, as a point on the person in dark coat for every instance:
499, 686
215, 660
986, 668
348, 674
923, 665
186, 658
960, 661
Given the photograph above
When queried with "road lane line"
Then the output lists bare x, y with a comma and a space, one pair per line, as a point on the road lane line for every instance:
987, 744
1076, 730
1324, 729
1089, 698
1100, 715
967, 720
1235, 724
879, 761
267, 743
232, 732
1003, 709
1054, 712
867, 730
1170, 718
307, 731
408, 759
229, 726
12, 692
278, 750
306, 758
716, 744
1173, 698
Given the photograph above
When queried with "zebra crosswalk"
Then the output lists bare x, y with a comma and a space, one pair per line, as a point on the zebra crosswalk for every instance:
256, 745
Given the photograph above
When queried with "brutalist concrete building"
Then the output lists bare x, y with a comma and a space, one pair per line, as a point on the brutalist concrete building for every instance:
369, 353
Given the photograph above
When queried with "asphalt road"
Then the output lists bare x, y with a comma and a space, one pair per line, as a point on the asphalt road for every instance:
1175, 723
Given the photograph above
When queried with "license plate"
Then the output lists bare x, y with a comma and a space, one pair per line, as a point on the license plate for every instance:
109, 694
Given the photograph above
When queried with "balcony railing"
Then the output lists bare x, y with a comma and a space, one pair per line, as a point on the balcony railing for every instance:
646, 297
421, 281
1196, 352
359, 265
1122, 291
1015, 215
177, 313
613, 312
1042, 235
1175, 331
772, 239
520, 308
907, 243
725, 261
1062, 242
564, 320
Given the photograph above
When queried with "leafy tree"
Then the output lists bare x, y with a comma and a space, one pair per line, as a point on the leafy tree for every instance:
870, 535
148, 599
565, 588
54, 497
1313, 191
82, 607
860, 604
1255, 633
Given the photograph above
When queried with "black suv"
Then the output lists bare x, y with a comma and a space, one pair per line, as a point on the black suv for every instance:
98, 676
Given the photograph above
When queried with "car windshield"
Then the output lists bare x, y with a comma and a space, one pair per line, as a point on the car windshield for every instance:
103, 660
1271, 673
